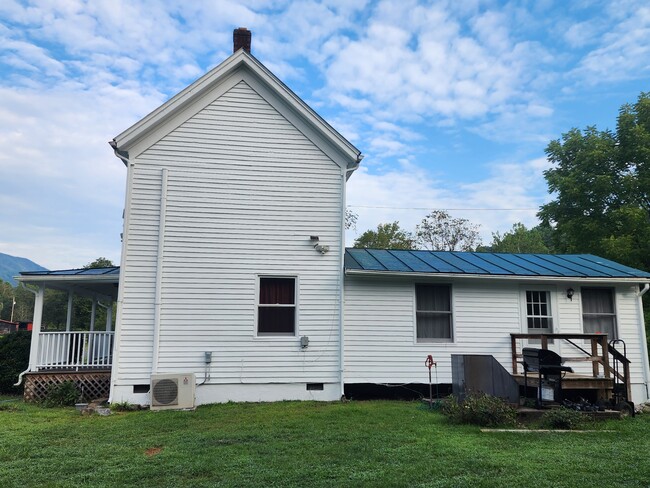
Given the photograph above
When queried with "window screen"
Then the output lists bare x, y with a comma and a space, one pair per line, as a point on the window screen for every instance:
598, 314
433, 312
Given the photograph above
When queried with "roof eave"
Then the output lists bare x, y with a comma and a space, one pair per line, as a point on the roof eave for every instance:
136, 132
573, 279
109, 278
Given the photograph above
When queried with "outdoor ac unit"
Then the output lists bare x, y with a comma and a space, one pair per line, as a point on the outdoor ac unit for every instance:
172, 391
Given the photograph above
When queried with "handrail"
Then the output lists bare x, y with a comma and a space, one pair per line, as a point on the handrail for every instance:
596, 340
597, 359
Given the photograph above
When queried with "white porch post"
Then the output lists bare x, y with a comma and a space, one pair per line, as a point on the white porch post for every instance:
92, 315
68, 319
36, 327
109, 317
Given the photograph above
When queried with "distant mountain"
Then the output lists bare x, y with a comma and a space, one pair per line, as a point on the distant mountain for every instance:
11, 266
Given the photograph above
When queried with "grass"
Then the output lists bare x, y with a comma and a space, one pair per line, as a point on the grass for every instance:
371, 444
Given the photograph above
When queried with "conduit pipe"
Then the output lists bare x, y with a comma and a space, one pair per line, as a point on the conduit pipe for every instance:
159, 272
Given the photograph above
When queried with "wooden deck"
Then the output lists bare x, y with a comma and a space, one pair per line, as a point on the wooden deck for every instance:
571, 381
599, 353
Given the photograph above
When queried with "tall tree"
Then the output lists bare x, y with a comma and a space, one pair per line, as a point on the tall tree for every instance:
519, 239
350, 219
601, 184
439, 231
387, 236
100, 262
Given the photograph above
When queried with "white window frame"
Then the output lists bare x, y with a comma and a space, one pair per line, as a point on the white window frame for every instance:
296, 294
552, 314
452, 315
614, 314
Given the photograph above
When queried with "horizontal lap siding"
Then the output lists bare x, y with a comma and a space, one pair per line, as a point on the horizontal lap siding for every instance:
380, 329
245, 191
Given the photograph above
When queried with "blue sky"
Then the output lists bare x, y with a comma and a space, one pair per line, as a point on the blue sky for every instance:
451, 102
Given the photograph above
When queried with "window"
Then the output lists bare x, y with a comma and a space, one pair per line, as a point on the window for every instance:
598, 315
433, 312
276, 312
538, 312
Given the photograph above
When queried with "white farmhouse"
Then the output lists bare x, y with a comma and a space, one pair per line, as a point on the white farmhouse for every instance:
235, 285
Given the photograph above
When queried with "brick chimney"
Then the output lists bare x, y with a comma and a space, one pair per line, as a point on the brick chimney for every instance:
241, 38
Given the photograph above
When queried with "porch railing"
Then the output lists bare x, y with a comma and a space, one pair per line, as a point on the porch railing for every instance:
75, 350
597, 355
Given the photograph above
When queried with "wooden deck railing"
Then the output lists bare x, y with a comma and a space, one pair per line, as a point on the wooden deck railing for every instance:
75, 350
597, 353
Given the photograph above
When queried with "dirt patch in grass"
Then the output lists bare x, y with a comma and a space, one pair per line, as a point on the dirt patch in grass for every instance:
152, 451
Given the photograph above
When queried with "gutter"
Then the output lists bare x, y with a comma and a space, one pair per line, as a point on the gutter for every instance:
410, 274
123, 155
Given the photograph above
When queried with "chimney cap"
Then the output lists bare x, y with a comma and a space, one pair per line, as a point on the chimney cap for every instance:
241, 39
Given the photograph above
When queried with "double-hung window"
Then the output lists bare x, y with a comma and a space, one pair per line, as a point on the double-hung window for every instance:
539, 317
598, 313
433, 313
276, 310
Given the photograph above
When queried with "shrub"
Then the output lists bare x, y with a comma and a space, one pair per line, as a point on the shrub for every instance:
124, 407
61, 395
561, 418
480, 409
14, 359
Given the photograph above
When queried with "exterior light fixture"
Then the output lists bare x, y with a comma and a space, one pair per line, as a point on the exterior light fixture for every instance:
569, 294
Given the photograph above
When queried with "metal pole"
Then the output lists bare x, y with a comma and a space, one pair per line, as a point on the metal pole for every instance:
13, 304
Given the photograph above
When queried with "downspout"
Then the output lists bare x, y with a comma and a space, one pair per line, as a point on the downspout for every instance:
37, 320
124, 156
344, 178
159, 271
644, 343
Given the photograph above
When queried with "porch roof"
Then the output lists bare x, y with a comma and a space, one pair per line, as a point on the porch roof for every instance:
89, 282
501, 265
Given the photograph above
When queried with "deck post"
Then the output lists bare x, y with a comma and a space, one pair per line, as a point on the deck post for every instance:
513, 345
68, 318
36, 327
605, 347
594, 354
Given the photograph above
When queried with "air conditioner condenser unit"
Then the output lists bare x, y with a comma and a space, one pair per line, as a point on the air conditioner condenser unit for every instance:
172, 391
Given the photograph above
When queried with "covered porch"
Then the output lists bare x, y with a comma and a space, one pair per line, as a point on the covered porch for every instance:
83, 352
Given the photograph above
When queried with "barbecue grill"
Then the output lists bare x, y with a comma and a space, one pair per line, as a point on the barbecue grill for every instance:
548, 366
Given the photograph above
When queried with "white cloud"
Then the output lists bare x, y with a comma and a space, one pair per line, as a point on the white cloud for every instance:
512, 193
623, 51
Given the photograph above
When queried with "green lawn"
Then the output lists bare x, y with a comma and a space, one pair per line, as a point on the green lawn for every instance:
371, 444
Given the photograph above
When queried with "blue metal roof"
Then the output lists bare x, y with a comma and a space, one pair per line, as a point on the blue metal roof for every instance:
113, 270
490, 264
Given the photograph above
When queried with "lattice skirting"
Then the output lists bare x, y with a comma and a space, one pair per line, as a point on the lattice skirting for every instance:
92, 384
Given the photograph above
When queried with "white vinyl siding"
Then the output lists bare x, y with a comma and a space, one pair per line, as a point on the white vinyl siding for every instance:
380, 343
246, 189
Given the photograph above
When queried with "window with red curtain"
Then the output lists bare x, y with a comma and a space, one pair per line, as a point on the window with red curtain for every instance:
276, 313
